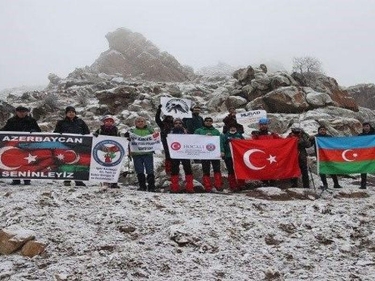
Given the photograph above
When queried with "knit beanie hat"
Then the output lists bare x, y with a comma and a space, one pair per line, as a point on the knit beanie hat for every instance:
69, 108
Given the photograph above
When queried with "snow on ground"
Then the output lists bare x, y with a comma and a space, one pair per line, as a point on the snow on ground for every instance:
125, 234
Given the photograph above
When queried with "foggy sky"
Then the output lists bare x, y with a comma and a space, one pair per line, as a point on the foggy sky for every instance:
51, 36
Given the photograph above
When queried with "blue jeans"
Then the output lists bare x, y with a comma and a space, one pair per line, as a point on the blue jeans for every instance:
143, 162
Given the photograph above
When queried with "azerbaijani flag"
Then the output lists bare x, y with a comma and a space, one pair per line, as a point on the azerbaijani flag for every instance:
346, 155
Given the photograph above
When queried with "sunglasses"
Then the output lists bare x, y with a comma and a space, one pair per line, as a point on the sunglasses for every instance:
208, 121
177, 122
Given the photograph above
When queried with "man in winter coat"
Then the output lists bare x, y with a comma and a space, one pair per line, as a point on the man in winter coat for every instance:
165, 126
195, 122
322, 132
263, 132
234, 184
303, 143
71, 124
21, 122
367, 130
231, 120
209, 130
179, 129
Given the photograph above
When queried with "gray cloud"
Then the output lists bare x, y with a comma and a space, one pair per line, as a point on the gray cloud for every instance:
43, 36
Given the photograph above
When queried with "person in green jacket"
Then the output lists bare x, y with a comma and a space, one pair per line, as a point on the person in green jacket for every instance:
208, 130
143, 161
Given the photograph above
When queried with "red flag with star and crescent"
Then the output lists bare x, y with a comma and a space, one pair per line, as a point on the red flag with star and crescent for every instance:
265, 159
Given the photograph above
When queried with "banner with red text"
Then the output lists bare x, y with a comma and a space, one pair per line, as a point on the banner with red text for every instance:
183, 146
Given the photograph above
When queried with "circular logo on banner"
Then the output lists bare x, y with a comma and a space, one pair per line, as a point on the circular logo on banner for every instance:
175, 145
210, 147
108, 153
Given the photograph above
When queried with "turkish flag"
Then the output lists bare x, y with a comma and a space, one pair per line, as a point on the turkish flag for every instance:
265, 159
17, 159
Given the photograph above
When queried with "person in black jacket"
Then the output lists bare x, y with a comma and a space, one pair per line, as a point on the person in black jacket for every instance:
303, 143
21, 122
322, 132
165, 126
367, 130
71, 124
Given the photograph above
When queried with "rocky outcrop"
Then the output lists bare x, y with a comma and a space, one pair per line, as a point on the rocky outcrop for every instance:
364, 95
132, 55
281, 92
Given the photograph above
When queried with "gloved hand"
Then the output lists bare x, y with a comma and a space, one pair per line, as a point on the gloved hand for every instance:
160, 106
95, 134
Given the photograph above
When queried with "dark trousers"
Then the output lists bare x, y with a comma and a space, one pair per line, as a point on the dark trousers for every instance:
206, 164
176, 166
323, 177
302, 161
229, 164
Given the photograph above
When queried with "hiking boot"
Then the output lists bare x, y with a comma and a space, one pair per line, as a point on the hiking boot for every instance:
66, 183
337, 186
15, 182
80, 183
26, 182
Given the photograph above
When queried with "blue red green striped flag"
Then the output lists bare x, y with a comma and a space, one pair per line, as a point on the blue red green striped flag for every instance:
346, 155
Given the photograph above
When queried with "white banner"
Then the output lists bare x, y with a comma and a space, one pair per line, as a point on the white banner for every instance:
107, 156
182, 146
148, 143
176, 107
249, 118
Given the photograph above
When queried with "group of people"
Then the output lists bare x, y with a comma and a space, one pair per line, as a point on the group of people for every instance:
233, 130
144, 162
71, 124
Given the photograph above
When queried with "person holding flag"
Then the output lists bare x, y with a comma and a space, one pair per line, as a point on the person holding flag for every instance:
263, 132
21, 122
367, 130
165, 126
303, 143
71, 124
234, 184
209, 130
322, 132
